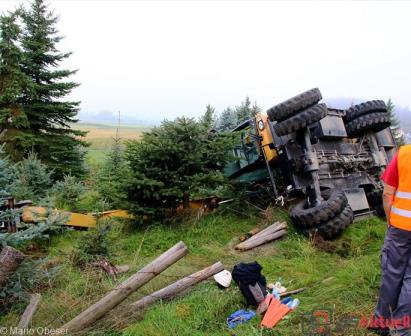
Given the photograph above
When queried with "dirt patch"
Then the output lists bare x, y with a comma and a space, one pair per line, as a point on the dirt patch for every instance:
340, 247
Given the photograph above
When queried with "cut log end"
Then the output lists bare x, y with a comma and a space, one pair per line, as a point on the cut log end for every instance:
10, 260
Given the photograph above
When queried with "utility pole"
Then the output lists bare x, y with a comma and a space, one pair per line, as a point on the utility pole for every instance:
117, 138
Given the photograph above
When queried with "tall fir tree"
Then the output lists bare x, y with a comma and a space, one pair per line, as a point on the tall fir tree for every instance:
255, 109
14, 84
227, 120
395, 124
243, 111
207, 120
113, 176
50, 117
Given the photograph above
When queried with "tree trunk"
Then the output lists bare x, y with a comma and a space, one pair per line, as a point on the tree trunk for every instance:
179, 286
10, 260
122, 291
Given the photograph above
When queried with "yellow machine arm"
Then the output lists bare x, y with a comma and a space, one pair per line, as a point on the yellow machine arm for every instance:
33, 214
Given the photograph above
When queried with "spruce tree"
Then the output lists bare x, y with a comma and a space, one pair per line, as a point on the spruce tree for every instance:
113, 176
207, 120
243, 111
49, 115
395, 123
174, 163
255, 109
13, 85
246, 111
227, 120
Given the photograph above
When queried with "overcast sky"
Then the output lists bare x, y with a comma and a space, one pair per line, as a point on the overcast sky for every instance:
155, 60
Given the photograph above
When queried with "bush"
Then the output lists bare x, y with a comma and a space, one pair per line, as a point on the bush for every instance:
92, 246
173, 163
31, 179
29, 275
91, 201
66, 194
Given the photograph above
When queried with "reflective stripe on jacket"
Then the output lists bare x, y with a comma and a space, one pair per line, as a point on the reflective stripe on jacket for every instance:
400, 215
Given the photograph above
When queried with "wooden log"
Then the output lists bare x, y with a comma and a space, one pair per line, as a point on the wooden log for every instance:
269, 230
29, 312
10, 260
123, 290
249, 234
262, 240
295, 291
179, 286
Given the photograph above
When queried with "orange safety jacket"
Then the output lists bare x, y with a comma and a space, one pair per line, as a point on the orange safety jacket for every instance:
400, 215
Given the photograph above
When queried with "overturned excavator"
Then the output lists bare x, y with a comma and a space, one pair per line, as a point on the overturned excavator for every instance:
329, 158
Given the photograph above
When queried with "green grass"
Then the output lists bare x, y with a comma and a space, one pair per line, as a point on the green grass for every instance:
346, 280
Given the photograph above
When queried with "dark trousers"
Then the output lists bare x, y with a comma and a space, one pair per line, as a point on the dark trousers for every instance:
395, 292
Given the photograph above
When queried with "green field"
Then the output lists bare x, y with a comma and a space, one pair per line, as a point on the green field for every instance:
101, 135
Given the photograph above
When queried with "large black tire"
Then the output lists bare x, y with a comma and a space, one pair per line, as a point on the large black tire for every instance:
334, 227
301, 120
376, 122
365, 108
294, 105
304, 217
375, 201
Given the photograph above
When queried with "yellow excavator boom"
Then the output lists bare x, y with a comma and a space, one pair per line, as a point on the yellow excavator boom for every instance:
32, 214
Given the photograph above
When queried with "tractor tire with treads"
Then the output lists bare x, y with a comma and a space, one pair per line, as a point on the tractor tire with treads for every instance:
301, 120
376, 121
364, 108
333, 205
334, 227
294, 105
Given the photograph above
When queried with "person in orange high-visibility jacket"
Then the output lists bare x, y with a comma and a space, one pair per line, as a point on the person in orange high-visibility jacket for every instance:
394, 302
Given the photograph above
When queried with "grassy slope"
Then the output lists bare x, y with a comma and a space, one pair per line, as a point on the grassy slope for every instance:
351, 282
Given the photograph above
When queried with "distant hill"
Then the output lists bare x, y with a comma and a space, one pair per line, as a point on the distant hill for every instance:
111, 117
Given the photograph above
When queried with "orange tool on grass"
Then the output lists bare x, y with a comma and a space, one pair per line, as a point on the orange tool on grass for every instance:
275, 312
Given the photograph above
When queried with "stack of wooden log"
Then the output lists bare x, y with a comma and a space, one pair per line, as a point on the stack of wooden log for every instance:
273, 232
